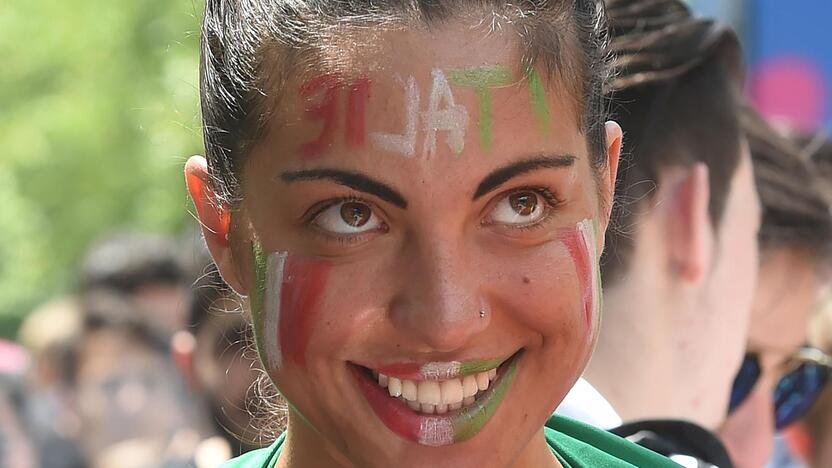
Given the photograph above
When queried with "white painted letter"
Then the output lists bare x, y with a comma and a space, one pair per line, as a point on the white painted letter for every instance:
404, 143
452, 118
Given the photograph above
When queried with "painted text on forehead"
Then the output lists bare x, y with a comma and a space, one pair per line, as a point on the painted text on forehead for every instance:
431, 117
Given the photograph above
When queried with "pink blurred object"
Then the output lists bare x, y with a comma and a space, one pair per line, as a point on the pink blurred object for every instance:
13, 358
791, 90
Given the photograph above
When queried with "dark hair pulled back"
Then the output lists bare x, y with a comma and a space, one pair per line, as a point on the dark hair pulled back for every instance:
249, 48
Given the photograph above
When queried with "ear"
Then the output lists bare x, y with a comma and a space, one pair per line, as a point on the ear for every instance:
607, 175
689, 232
215, 219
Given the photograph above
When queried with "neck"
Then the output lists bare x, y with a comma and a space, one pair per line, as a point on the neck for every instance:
537, 454
304, 447
630, 359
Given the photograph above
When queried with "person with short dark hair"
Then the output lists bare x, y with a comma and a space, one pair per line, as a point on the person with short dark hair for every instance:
145, 269
681, 261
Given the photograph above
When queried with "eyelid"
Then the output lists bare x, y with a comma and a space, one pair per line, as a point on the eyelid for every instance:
551, 200
343, 239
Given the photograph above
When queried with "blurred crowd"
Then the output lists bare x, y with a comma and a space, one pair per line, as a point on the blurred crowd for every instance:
149, 361
146, 364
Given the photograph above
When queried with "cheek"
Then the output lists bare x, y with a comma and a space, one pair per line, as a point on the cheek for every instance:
286, 305
555, 290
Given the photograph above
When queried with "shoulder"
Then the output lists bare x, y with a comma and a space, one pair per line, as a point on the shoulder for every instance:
580, 445
261, 458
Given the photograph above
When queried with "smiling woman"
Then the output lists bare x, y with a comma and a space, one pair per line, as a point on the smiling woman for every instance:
413, 196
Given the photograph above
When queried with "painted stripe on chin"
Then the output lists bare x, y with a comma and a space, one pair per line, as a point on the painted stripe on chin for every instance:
436, 432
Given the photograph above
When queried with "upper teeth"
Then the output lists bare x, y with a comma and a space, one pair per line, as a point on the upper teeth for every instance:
439, 396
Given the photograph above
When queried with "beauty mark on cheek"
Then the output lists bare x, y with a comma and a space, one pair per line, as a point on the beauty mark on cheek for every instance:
286, 305
581, 241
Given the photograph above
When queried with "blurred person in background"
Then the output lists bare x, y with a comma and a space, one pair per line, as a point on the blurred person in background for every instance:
216, 355
781, 377
147, 270
17, 449
809, 442
47, 333
811, 439
681, 258
127, 391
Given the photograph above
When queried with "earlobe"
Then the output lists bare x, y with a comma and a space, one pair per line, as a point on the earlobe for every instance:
690, 235
215, 219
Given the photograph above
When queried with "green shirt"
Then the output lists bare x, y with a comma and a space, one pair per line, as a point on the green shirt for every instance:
575, 444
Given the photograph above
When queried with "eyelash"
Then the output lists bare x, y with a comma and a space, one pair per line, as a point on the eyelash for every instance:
341, 240
551, 200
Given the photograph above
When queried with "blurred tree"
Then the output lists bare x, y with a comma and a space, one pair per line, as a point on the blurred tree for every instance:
98, 111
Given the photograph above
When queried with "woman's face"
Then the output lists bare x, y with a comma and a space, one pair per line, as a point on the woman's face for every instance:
788, 289
422, 233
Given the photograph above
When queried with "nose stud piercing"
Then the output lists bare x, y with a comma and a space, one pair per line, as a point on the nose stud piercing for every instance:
482, 312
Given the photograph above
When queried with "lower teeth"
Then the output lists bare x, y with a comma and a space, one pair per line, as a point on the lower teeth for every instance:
439, 409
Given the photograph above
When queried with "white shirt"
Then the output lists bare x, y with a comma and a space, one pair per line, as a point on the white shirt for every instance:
585, 404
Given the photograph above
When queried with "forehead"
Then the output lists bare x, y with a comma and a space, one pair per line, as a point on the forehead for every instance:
368, 87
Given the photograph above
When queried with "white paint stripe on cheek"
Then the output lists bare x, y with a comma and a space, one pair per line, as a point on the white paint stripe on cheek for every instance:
453, 118
405, 143
271, 321
588, 232
436, 432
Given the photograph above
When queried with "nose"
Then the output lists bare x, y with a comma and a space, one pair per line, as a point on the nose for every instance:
440, 303
748, 432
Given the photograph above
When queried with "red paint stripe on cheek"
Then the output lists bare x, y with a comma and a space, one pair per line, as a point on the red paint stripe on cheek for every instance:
574, 242
304, 282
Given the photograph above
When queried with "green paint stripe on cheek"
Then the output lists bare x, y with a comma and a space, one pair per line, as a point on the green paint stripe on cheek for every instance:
471, 422
599, 290
256, 298
540, 106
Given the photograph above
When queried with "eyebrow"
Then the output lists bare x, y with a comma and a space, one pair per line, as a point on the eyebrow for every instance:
353, 180
502, 175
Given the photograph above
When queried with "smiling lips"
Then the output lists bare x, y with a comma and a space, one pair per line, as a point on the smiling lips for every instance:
429, 396
437, 403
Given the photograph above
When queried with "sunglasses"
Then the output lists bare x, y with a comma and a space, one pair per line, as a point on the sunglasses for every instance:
795, 392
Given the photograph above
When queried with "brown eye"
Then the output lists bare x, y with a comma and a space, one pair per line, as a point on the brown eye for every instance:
348, 217
355, 214
523, 203
524, 207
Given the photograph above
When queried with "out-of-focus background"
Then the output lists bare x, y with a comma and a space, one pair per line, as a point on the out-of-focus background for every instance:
99, 109
98, 113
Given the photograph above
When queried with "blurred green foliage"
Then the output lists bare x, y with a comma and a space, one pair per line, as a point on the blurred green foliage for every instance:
98, 112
